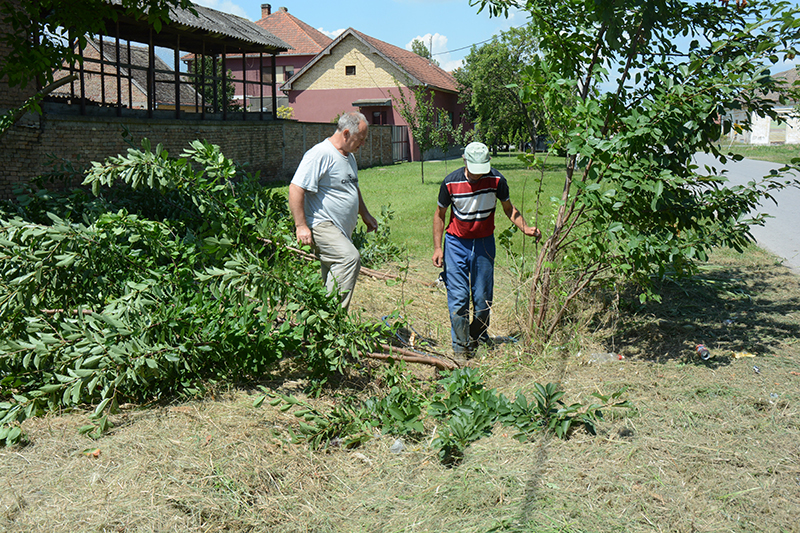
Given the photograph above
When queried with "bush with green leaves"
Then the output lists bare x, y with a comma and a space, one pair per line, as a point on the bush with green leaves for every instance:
171, 276
629, 92
377, 247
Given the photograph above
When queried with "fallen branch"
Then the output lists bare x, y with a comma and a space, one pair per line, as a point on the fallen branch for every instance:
412, 357
74, 311
364, 270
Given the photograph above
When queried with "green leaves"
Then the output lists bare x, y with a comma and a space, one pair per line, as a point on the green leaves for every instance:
463, 411
158, 286
631, 106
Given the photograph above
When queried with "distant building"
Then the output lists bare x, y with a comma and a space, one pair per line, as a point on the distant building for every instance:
104, 85
305, 42
356, 72
765, 130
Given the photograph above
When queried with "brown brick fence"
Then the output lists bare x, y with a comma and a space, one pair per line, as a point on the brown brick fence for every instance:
274, 148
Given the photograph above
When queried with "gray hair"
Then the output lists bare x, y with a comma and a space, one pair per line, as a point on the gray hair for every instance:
351, 122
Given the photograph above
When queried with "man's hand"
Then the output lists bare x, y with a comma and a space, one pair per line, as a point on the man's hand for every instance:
438, 257
370, 222
532, 231
304, 235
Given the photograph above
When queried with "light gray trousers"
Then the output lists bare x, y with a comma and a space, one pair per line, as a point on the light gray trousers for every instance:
339, 260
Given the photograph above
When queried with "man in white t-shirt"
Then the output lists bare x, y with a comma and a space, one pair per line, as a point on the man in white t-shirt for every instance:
325, 202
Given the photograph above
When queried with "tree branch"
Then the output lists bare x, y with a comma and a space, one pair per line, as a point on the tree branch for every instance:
412, 357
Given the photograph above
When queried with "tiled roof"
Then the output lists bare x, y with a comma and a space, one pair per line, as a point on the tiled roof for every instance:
303, 39
419, 70
140, 57
415, 65
214, 26
790, 77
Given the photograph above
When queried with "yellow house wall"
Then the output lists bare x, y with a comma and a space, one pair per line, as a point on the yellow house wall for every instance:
329, 72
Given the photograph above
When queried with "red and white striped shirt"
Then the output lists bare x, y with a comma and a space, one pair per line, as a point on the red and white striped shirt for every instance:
473, 202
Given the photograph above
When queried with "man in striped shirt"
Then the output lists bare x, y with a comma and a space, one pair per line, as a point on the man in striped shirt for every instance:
468, 254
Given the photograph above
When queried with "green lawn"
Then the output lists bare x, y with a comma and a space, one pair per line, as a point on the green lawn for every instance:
400, 187
783, 153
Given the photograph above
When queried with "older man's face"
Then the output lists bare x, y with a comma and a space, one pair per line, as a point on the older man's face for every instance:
354, 140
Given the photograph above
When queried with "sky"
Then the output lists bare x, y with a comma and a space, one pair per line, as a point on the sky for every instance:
449, 27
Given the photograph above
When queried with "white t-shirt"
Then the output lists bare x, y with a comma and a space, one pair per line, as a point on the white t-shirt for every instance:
330, 180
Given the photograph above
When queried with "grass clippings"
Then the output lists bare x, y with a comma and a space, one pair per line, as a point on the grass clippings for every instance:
709, 445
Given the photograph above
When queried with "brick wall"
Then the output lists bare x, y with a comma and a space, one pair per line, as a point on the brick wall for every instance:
273, 148
10, 98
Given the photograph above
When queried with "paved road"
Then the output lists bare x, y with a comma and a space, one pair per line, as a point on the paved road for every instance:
781, 234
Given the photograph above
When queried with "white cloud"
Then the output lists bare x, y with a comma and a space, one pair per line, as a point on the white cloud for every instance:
434, 43
332, 34
450, 66
226, 6
437, 45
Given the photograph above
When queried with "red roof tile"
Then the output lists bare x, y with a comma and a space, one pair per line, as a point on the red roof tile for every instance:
420, 70
304, 39
415, 65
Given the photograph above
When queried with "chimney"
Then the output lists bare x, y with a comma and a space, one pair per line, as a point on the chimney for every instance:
283, 9
266, 10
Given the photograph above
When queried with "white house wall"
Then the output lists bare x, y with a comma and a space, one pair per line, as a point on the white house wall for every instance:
759, 130
793, 130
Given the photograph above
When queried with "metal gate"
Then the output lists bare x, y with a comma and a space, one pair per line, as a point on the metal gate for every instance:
400, 148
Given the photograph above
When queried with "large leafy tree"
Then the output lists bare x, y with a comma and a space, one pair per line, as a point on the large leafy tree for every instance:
632, 90
489, 83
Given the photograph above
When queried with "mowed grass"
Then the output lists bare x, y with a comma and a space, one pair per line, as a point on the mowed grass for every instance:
413, 202
783, 153
709, 446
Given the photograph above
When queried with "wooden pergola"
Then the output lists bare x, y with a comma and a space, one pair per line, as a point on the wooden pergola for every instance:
208, 34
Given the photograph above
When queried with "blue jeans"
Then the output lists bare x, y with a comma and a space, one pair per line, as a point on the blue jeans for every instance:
469, 272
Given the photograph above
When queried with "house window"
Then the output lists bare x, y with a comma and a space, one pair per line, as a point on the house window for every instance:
282, 73
350, 70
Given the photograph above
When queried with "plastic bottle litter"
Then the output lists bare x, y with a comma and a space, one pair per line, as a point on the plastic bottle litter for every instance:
703, 352
605, 357
398, 446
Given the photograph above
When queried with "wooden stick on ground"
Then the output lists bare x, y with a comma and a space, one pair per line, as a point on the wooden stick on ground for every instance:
413, 357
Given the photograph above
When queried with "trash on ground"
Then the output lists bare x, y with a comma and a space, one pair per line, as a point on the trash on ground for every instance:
739, 355
398, 446
604, 357
703, 352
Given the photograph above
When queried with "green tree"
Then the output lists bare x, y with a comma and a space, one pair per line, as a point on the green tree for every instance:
421, 115
489, 82
419, 48
446, 135
207, 81
632, 91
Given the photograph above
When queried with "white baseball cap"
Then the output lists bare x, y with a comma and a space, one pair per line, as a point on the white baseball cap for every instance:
477, 158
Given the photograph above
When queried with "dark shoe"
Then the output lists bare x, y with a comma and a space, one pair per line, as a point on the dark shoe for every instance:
483, 339
463, 353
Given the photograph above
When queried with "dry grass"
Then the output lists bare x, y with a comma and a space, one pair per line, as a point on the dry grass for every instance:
708, 447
